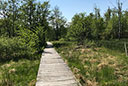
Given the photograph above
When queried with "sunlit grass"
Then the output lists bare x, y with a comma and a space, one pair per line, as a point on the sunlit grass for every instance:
18, 63
20, 73
104, 65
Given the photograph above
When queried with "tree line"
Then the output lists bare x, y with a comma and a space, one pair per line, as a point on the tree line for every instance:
29, 16
29, 19
97, 27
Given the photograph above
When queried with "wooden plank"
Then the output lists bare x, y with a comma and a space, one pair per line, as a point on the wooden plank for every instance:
53, 71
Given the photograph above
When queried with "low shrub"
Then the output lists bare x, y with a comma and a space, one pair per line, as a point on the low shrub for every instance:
14, 48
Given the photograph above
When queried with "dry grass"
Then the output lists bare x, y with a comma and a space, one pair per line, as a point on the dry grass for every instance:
19, 73
96, 66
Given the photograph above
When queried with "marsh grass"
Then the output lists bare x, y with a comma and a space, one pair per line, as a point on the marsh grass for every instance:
100, 63
18, 63
20, 73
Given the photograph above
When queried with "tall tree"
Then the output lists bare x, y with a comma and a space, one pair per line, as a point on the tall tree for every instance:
108, 15
97, 13
111, 30
9, 10
13, 10
58, 22
28, 9
119, 14
81, 27
98, 24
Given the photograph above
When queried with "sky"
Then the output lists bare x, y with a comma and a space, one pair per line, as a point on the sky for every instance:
70, 7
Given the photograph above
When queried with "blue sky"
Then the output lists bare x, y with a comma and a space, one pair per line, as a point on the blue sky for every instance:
70, 7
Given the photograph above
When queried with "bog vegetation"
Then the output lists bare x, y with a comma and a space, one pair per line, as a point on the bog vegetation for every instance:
94, 65
25, 26
91, 44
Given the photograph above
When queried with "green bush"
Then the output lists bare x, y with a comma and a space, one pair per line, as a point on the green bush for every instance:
14, 48
26, 45
35, 40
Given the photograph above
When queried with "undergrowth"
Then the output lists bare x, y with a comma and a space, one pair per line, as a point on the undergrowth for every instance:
21, 73
101, 63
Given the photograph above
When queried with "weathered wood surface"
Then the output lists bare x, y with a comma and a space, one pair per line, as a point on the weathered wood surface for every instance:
53, 71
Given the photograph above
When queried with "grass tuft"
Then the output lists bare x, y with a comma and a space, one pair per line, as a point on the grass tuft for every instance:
101, 63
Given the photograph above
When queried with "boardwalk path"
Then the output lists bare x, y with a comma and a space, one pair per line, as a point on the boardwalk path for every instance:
53, 71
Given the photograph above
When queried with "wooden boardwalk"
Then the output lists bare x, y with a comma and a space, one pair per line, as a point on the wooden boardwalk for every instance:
53, 71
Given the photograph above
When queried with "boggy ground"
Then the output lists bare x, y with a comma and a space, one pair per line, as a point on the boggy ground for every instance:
96, 64
19, 73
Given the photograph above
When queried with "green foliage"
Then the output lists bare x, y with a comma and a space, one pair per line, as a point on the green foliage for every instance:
23, 28
20, 73
111, 31
80, 28
9, 12
41, 41
28, 14
25, 46
107, 74
28, 37
14, 49
33, 39
50, 34
117, 45
99, 28
102, 66
58, 23
95, 27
